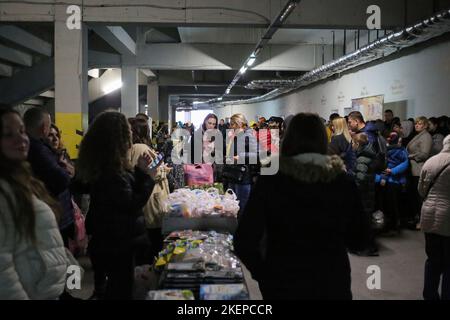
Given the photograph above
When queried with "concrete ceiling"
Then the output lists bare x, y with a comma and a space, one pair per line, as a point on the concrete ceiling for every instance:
199, 37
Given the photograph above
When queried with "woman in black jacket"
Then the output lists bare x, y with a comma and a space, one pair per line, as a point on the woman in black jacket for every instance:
117, 196
304, 254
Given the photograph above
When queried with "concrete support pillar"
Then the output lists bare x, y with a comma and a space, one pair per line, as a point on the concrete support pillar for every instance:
153, 100
71, 79
130, 90
163, 109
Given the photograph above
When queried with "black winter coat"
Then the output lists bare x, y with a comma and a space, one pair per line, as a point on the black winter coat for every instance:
341, 147
308, 215
45, 166
116, 202
365, 176
247, 167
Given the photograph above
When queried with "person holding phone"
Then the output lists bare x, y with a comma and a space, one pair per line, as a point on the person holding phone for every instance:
153, 210
118, 192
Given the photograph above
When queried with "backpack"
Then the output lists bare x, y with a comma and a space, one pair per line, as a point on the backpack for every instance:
380, 148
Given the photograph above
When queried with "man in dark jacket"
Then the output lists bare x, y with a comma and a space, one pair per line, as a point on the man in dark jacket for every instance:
46, 167
357, 125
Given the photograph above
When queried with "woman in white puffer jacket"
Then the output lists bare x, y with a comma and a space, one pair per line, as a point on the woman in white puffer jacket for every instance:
434, 187
33, 260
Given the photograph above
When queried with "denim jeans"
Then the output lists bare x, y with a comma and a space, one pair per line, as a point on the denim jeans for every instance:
438, 264
243, 194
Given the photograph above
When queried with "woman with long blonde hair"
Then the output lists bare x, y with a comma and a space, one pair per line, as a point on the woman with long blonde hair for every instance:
241, 159
341, 144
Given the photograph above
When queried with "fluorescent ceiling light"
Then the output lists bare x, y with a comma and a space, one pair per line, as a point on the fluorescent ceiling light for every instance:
112, 86
228, 91
243, 69
219, 98
197, 102
94, 73
250, 62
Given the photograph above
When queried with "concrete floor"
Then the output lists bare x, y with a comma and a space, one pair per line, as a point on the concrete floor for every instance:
401, 264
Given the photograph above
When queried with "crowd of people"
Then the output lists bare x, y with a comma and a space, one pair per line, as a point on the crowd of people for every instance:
333, 178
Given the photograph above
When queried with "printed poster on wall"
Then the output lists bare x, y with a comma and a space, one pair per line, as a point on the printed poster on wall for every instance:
370, 107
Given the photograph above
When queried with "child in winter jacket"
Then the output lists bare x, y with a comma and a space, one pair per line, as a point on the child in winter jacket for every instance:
397, 163
391, 182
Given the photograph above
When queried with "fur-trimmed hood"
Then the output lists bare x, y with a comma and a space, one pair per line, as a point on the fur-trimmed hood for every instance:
312, 167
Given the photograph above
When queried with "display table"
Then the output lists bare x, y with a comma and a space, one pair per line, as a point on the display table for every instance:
201, 265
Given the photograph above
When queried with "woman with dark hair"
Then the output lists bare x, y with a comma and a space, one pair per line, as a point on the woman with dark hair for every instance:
118, 192
33, 259
321, 218
54, 139
203, 153
140, 131
209, 123
153, 212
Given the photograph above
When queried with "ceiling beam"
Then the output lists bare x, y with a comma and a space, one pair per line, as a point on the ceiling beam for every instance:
28, 83
181, 56
97, 85
35, 102
103, 60
26, 40
148, 73
117, 38
215, 13
5, 70
48, 94
15, 56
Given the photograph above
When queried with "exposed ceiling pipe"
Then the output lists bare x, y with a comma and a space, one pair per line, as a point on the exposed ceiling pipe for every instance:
267, 36
423, 31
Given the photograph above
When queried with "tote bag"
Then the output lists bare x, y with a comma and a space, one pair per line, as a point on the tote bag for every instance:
198, 174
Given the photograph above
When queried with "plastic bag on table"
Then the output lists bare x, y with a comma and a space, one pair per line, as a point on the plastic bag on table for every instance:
230, 203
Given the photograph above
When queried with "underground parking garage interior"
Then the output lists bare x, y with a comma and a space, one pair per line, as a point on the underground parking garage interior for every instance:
241, 150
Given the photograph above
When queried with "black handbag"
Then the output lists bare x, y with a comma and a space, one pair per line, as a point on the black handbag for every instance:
234, 173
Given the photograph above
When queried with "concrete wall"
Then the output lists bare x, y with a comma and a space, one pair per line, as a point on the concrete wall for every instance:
419, 78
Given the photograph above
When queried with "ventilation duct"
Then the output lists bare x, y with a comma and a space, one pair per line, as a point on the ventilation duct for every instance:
430, 28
